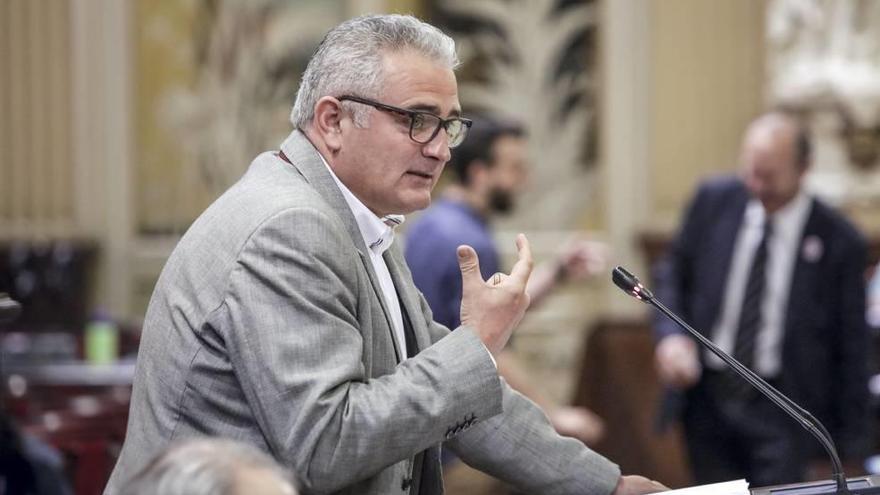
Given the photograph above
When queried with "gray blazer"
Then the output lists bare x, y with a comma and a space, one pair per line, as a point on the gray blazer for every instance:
266, 326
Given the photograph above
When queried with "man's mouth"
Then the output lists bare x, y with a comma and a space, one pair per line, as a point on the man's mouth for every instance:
425, 175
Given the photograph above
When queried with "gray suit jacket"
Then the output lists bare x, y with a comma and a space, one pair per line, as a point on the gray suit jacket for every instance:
266, 326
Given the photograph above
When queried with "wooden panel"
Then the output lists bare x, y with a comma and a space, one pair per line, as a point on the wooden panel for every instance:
618, 382
36, 169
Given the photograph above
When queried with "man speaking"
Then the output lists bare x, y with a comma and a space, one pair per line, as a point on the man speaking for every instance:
286, 317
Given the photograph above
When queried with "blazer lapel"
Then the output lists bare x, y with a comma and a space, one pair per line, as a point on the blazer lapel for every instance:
805, 273
409, 297
306, 159
377, 291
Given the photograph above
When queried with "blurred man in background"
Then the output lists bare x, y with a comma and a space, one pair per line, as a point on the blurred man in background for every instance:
488, 171
774, 277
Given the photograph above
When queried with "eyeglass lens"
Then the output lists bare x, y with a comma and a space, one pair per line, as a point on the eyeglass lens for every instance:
425, 127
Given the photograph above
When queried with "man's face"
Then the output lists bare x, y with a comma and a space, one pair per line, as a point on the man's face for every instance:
508, 172
769, 167
383, 167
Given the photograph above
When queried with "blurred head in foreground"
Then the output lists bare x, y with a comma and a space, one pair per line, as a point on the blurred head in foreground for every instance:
211, 467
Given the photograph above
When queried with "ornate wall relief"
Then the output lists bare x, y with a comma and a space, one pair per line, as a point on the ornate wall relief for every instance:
824, 59
535, 62
236, 66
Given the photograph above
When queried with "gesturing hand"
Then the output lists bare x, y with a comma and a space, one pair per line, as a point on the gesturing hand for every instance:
494, 307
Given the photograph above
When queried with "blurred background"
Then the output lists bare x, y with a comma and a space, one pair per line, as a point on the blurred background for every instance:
121, 120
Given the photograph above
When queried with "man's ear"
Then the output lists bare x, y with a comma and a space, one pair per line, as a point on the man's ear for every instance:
328, 122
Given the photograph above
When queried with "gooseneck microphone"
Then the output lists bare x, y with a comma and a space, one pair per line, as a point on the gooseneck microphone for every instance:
630, 284
9, 308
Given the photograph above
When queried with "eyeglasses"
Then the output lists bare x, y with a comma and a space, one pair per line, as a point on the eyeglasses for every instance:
423, 126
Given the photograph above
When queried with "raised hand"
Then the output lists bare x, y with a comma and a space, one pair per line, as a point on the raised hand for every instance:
494, 307
580, 258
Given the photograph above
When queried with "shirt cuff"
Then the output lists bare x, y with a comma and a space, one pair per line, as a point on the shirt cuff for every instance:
490, 355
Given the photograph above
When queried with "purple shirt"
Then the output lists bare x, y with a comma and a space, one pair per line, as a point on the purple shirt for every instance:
430, 254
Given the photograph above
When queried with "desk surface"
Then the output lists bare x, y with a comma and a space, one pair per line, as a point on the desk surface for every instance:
77, 373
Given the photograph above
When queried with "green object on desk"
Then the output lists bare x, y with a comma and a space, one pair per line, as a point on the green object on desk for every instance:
101, 342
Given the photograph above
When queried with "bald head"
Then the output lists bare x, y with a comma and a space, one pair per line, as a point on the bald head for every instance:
774, 158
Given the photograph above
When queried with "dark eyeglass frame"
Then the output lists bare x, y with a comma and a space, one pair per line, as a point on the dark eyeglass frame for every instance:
411, 114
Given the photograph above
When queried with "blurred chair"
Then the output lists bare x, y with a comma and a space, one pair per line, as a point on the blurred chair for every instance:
618, 382
52, 281
78, 409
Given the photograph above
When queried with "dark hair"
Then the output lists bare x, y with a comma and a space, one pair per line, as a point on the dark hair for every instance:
477, 146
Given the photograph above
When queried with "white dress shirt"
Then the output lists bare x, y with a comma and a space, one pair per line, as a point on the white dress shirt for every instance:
782, 252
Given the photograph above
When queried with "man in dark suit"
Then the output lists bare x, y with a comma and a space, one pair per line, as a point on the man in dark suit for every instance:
774, 277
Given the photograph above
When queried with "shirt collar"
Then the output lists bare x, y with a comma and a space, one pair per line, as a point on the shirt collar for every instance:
378, 233
787, 220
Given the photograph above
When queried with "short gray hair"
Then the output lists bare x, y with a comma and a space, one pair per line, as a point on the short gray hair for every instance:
207, 466
349, 59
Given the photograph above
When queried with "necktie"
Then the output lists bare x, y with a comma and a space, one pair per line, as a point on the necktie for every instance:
750, 316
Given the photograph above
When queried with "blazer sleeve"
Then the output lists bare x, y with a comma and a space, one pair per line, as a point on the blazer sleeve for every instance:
521, 447
291, 328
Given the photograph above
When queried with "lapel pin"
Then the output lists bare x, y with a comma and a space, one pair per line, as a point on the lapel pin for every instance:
812, 248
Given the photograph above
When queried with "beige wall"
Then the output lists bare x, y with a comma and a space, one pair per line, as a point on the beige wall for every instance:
706, 83
680, 80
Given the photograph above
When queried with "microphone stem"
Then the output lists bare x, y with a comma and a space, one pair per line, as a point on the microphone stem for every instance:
802, 416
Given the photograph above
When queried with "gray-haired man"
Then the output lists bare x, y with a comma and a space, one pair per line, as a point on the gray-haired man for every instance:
283, 318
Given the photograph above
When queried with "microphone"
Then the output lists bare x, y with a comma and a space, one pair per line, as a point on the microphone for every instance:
630, 284
9, 308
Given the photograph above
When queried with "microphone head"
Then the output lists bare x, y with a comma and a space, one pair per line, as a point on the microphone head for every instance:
630, 284
9, 308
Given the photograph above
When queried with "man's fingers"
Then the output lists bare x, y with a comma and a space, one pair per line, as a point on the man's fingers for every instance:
523, 267
469, 264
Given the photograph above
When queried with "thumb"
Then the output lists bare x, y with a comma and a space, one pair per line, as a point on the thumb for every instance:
469, 264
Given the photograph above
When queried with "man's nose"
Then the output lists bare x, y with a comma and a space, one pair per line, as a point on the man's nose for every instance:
438, 147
